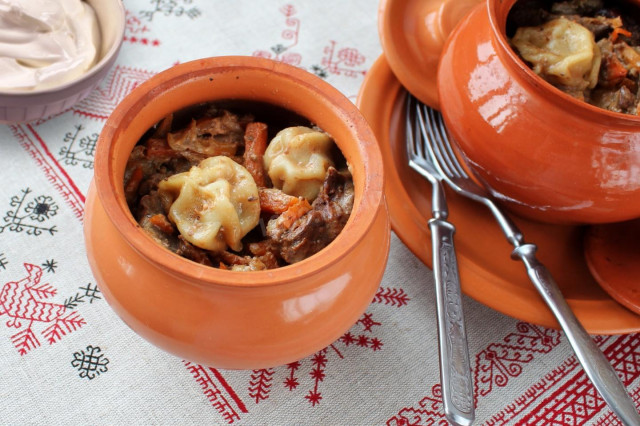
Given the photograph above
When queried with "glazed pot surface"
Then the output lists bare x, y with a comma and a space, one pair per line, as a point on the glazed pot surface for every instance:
544, 154
233, 327
233, 319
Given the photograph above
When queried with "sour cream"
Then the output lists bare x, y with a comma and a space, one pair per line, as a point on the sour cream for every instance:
45, 43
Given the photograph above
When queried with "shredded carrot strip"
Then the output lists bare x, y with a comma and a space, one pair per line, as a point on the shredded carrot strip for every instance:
160, 221
273, 200
615, 70
618, 32
255, 144
294, 212
158, 148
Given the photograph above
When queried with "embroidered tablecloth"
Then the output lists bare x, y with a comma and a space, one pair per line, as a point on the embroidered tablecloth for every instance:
66, 358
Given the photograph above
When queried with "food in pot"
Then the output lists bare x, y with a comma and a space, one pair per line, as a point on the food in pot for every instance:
216, 191
297, 160
46, 43
585, 48
214, 204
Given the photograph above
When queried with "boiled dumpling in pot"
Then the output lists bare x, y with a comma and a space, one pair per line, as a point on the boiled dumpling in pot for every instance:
214, 204
297, 160
562, 52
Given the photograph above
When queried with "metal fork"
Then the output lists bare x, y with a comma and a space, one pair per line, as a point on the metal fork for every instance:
598, 369
455, 369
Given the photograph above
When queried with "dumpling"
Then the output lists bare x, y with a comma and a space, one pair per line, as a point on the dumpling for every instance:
297, 160
214, 204
562, 52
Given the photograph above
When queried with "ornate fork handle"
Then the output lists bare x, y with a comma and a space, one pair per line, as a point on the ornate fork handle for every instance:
455, 369
593, 361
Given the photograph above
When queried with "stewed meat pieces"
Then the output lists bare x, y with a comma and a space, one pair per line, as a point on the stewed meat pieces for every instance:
589, 49
296, 229
318, 227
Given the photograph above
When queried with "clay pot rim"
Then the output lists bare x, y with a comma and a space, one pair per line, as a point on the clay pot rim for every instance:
557, 96
367, 204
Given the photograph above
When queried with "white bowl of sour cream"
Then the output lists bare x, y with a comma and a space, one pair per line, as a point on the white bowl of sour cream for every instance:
53, 53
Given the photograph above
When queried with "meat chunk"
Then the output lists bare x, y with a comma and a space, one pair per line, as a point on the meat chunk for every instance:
151, 206
246, 263
191, 252
146, 167
152, 218
577, 7
210, 136
318, 227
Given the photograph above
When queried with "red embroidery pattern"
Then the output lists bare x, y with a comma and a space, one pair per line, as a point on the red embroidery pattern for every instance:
221, 396
346, 61
135, 30
576, 401
391, 296
260, 384
317, 373
30, 140
610, 419
500, 361
281, 52
23, 301
560, 400
101, 101
367, 322
494, 365
532, 394
261, 381
428, 412
291, 382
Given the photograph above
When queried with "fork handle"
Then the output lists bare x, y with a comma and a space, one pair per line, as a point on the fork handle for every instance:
455, 369
593, 361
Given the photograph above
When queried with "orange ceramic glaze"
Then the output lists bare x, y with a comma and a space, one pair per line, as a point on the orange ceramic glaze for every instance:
231, 319
412, 33
487, 272
548, 156
613, 255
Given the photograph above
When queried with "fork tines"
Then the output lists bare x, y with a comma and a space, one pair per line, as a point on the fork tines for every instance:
440, 142
419, 158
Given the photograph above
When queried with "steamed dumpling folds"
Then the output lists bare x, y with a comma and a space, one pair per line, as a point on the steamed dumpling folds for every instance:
562, 52
214, 204
297, 160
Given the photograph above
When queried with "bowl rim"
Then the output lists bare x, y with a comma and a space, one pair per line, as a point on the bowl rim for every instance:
367, 205
119, 21
527, 74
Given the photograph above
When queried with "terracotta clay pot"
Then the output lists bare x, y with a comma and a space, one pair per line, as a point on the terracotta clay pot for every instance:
230, 319
546, 155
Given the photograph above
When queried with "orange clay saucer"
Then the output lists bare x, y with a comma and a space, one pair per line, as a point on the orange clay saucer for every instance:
486, 270
412, 33
613, 255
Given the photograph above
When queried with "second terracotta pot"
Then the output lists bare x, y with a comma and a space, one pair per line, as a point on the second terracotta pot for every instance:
546, 155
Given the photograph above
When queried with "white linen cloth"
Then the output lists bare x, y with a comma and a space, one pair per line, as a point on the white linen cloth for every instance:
92, 369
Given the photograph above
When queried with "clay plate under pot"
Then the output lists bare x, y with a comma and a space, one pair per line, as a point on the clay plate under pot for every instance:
487, 272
